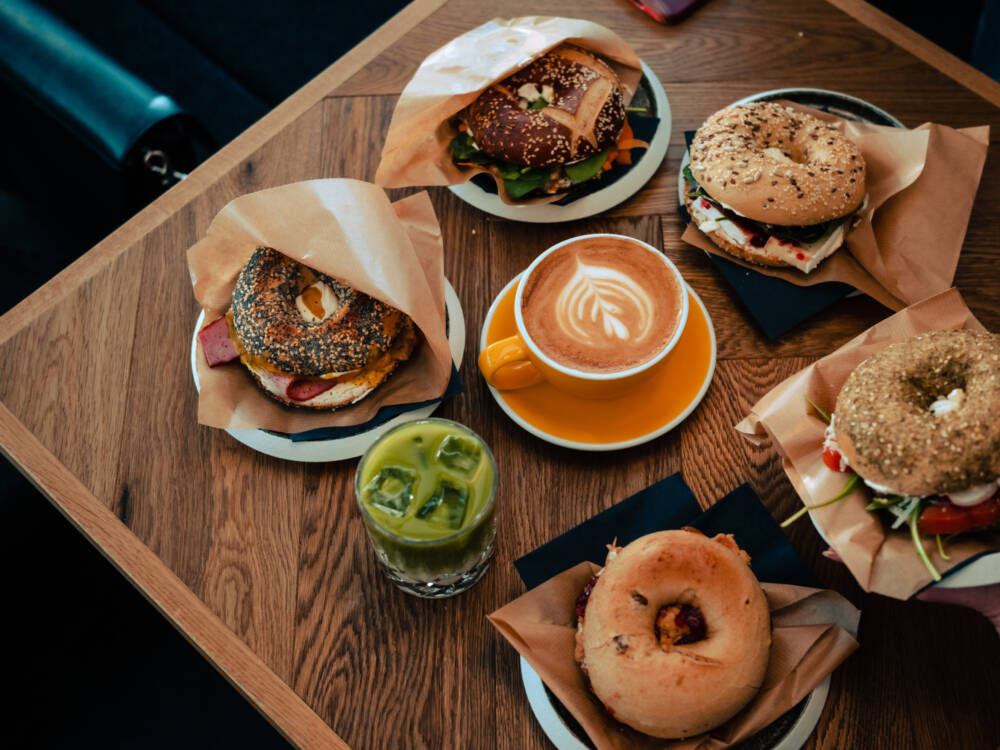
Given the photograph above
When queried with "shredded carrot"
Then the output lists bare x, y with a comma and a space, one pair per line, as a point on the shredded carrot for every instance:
626, 134
624, 157
462, 127
610, 160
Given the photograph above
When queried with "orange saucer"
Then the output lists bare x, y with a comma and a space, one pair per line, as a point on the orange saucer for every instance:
652, 408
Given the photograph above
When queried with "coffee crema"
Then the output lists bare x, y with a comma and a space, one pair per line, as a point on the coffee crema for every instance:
601, 305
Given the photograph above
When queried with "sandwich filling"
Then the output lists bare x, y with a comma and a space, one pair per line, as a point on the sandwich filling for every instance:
800, 247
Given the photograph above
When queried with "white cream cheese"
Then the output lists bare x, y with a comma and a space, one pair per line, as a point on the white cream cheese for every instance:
328, 301
973, 495
949, 403
805, 257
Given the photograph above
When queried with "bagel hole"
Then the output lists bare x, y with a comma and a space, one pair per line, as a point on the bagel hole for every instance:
927, 388
678, 624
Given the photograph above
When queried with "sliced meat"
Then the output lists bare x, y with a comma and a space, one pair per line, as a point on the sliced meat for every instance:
215, 342
303, 390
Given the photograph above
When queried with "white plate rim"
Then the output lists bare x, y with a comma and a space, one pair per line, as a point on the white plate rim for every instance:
596, 202
600, 447
339, 449
564, 739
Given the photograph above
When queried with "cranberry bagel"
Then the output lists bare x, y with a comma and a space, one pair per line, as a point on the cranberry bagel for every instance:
675, 636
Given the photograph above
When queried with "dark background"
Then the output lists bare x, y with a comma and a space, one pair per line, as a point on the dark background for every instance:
77, 635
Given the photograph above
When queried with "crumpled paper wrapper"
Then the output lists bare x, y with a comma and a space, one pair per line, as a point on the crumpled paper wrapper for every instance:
921, 186
348, 230
416, 147
813, 632
882, 560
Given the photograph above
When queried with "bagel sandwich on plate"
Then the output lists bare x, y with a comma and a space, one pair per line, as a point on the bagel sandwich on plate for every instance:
774, 186
918, 424
307, 339
556, 123
674, 633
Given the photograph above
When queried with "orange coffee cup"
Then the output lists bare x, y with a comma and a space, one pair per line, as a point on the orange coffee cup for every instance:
595, 314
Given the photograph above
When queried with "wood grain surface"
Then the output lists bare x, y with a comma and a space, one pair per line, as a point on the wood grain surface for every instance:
263, 564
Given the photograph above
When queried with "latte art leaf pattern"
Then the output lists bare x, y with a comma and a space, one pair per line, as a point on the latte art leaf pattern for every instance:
601, 303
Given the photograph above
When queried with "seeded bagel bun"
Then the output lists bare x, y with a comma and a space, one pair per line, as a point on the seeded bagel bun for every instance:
885, 427
775, 165
584, 116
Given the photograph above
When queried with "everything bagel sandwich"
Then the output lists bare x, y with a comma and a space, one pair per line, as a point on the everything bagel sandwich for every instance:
774, 186
674, 633
917, 423
307, 339
556, 123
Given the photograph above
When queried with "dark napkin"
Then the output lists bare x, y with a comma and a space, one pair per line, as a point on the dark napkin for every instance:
643, 128
775, 304
383, 415
670, 504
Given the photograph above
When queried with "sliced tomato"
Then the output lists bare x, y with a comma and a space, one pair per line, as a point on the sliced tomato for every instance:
987, 512
833, 459
946, 518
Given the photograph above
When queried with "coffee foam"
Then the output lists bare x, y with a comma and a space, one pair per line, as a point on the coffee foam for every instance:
601, 304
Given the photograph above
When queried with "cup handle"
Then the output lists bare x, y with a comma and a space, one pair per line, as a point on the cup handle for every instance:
506, 366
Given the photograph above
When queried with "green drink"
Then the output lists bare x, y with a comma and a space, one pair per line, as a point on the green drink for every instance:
425, 490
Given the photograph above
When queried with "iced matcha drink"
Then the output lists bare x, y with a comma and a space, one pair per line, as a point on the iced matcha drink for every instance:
425, 490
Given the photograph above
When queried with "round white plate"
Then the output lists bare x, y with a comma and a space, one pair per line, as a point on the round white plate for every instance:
354, 445
555, 440
983, 571
596, 202
565, 739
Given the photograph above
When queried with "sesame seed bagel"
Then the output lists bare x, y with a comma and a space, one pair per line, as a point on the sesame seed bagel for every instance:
273, 331
779, 166
681, 690
584, 116
890, 436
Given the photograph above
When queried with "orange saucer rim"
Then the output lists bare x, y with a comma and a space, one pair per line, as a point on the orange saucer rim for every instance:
527, 426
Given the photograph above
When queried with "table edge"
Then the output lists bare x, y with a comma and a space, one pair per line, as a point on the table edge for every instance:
242, 668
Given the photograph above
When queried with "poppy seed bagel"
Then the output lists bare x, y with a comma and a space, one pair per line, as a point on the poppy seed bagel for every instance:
585, 115
271, 329
888, 432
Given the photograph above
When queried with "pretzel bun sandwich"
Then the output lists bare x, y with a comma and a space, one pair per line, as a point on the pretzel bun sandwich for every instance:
556, 123
307, 339
774, 186
917, 423
674, 633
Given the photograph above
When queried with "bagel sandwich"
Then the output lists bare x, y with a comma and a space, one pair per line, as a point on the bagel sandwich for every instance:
917, 424
674, 633
556, 123
774, 186
307, 339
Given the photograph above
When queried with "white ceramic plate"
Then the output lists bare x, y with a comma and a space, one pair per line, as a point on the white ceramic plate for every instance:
555, 440
355, 445
596, 202
564, 738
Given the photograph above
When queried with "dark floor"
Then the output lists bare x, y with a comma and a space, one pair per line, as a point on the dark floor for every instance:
93, 664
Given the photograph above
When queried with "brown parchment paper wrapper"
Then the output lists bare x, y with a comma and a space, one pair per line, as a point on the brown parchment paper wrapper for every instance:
814, 630
348, 230
882, 560
921, 186
416, 146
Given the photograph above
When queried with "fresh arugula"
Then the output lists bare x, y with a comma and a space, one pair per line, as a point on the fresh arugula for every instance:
538, 104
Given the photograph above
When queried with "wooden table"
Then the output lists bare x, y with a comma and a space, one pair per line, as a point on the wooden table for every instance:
263, 564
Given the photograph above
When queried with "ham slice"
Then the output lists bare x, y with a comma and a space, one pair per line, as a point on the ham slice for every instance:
303, 390
215, 342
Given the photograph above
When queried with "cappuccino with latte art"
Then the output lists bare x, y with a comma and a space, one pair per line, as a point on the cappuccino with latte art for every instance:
602, 304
